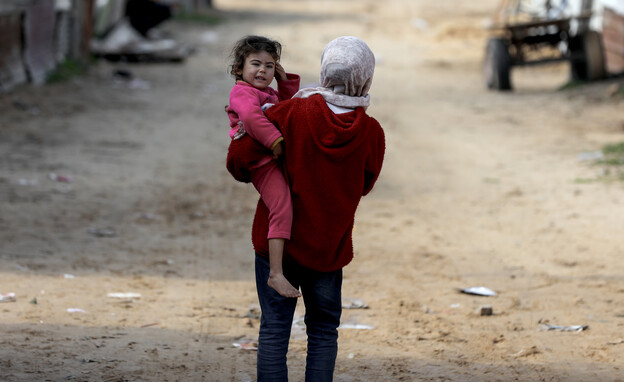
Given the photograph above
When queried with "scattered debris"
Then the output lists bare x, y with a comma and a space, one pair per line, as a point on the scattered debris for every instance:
591, 155
246, 345
616, 342
122, 74
7, 297
163, 262
123, 42
27, 182
127, 79
148, 325
21, 267
485, 310
560, 328
197, 215
356, 326
420, 24
31, 109
527, 352
147, 216
102, 232
76, 310
127, 296
68, 276
253, 313
479, 291
133, 83
353, 303
60, 178
613, 90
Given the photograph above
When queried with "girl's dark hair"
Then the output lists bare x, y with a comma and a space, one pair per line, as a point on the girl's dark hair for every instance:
252, 44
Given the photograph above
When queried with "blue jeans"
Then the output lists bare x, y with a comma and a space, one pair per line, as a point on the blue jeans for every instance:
321, 292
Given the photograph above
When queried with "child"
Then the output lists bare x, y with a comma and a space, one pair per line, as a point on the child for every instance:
255, 63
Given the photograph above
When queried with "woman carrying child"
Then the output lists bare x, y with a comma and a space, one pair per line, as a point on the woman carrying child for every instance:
333, 154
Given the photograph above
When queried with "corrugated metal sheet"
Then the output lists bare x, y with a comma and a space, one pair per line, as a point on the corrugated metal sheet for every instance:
83, 28
12, 6
36, 35
108, 15
613, 40
62, 36
39, 40
12, 71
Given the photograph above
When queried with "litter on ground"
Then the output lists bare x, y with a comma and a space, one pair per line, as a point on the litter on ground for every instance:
479, 291
7, 297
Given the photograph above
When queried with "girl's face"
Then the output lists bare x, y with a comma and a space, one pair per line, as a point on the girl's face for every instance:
258, 70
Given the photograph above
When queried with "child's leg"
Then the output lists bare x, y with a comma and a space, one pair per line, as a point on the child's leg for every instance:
270, 183
277, 280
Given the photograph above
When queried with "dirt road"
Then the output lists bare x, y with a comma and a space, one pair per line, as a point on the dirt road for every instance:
478, 189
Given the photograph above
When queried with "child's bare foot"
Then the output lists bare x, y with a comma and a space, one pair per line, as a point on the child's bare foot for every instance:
282, 286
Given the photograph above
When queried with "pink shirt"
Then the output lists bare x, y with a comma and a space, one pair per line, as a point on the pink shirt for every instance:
246, 108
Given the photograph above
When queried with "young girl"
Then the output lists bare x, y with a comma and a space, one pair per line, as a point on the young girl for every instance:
255, 63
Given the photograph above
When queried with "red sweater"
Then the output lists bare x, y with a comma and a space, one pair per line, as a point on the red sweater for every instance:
331, 161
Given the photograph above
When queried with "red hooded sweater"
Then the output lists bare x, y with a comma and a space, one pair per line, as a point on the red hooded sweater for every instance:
331, 161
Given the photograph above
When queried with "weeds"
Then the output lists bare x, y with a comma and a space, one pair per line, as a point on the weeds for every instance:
612, 163
66, 70
613, 155
572, 84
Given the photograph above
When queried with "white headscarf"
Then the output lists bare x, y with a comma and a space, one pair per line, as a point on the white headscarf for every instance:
347, 67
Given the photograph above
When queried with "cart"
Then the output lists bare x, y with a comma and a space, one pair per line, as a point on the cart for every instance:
542, 38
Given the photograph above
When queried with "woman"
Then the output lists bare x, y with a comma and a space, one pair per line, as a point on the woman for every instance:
333, 154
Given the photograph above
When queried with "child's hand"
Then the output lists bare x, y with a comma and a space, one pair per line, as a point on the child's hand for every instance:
281, 73
278, 150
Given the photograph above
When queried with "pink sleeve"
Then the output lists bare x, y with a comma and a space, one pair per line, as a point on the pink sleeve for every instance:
245, 102
288, 88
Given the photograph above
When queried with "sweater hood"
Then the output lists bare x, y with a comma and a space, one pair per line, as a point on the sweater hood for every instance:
336, 135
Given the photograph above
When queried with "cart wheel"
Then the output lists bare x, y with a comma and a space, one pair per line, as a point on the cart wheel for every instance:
592, 66
497, 65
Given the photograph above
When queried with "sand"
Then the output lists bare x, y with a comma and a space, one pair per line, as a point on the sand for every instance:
479, 188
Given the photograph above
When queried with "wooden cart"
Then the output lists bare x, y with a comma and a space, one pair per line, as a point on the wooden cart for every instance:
542, 41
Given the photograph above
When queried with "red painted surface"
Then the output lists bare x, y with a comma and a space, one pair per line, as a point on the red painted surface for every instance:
613, 40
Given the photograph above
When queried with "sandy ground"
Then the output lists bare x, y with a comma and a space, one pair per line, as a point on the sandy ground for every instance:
478, 189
